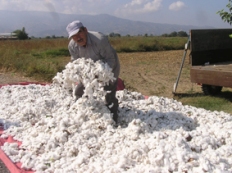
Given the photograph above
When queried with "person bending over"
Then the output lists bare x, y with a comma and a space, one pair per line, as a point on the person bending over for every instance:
96, 46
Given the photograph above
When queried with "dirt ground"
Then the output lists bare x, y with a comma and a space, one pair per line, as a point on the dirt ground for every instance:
3, 168
10, 77
154, 73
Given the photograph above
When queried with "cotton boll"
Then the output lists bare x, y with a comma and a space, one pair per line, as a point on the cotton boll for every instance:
159, 160
122, 162
151, 122
134, 129
40, 167
28, 161
205, 165
11, 149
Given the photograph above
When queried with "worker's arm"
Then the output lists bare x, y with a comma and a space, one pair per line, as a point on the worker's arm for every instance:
107, 53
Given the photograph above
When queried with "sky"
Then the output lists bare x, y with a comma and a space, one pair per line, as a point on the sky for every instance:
183, 12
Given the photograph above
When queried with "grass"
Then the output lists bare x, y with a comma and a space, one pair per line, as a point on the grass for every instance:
144, 44
38, 58
221, 102
209, 103
149, 65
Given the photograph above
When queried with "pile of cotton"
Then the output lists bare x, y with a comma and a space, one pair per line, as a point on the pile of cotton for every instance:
157, 134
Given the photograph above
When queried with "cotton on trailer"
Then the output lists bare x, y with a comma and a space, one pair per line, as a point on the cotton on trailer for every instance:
157, 134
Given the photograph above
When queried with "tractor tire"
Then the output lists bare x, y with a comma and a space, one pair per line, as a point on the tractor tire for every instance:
211, 90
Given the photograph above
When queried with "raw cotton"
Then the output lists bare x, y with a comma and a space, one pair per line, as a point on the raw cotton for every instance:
154, 135
93, 75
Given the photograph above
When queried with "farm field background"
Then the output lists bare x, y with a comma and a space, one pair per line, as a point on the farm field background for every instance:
150, 72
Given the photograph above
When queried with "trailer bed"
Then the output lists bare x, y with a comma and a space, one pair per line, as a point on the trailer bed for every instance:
219, 74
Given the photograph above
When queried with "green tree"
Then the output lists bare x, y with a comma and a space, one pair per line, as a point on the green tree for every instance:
112, 34
164, 35
182, 34
21, 34
226, 15
173, 34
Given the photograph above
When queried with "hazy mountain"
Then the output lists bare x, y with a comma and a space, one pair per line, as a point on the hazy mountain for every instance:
42, 24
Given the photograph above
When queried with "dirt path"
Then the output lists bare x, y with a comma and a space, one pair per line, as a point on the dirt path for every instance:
8, 78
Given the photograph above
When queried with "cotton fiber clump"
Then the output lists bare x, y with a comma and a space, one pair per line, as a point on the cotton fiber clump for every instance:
157, 134
94, 76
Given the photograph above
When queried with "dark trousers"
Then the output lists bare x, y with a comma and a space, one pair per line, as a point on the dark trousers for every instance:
110, 97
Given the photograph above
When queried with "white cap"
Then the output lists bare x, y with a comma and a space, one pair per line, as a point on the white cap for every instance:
73, 28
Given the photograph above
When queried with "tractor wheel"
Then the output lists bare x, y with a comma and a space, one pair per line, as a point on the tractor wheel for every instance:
211, 90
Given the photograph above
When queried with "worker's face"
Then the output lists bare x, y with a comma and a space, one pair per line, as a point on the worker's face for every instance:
81, 37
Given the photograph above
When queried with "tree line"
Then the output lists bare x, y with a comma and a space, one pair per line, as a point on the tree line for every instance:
22, 35
172, 34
